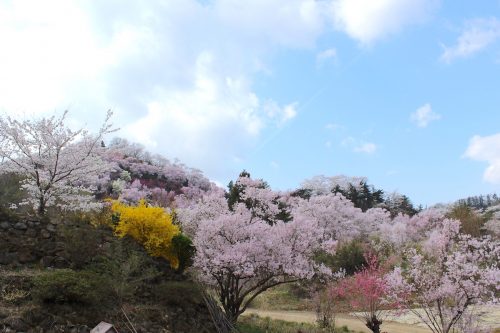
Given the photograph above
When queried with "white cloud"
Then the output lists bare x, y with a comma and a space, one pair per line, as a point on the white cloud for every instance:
476, 36
295, 23
333, 127
325, 55
177, 73
201, 124
359, 146
424, 115
371, 20
280, 114
275, 165
366, 147
486, 148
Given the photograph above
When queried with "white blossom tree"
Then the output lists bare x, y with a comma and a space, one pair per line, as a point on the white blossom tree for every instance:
443, 281
61, 166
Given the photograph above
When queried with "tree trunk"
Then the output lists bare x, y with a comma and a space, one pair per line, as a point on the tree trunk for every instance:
374, 324
41, 206
232, 312
232, 317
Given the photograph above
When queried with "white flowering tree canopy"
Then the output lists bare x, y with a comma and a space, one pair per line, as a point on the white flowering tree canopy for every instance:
61, 166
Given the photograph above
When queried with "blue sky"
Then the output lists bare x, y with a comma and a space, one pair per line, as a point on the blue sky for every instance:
404, 92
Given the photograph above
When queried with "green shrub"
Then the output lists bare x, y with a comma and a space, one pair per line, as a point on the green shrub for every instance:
349, 257
470, 221
184, 249
11, 192
82, 242
7, 214
127, 265
65, 286
178, 293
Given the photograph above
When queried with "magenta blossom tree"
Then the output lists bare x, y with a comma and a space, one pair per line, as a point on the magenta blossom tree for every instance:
365, 292
448, 275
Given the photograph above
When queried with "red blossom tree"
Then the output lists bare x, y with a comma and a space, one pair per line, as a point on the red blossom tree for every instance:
365, 293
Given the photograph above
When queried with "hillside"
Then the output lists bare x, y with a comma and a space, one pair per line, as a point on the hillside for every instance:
65, 275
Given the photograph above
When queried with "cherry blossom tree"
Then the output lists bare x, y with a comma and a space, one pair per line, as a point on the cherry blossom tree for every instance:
336, 215
365, 293
451, 273
61, 166
150, 176
207, 208
405, 231
240, 254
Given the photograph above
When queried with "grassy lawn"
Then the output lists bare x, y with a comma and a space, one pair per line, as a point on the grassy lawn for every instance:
256, 324
283, 297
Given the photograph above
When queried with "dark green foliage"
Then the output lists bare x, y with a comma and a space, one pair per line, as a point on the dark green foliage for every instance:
10, 190
121, 262
128, 267
66, 286
184, 249
178, 293
349, 257
481, 201
303, 193
82, 241
400, 204
233, 196
8, 215
364, 197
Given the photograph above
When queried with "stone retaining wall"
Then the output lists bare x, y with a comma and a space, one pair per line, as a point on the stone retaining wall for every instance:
31, 242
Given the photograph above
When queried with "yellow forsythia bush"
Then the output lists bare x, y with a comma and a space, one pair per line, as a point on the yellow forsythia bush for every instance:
150, 226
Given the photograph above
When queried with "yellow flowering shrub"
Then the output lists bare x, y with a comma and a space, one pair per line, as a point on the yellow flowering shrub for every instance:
150, 226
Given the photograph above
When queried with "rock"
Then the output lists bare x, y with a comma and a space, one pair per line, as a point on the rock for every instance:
47, 261
60, 263
4, 225
84, 329
51, 228
3, 313
17, 324
45, 234
31, 233
26, 257
20, 226
7, 258
48, 247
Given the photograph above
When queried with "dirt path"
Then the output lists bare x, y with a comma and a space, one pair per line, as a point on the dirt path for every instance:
341, 320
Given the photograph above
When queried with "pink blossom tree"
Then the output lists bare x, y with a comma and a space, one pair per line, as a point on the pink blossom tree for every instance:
240, 254
405, 231
61, 166
334, 214
209, 207
449, 274
151, 176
